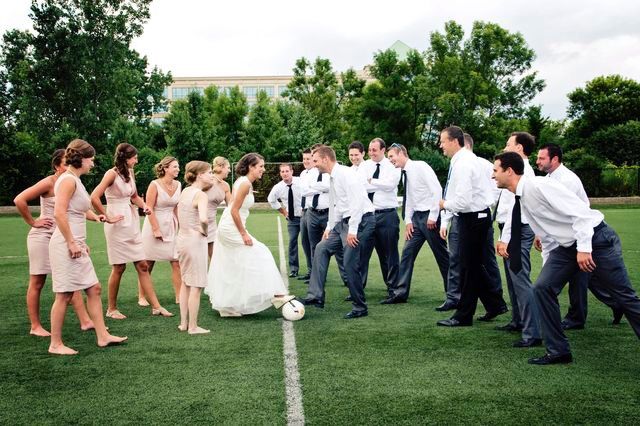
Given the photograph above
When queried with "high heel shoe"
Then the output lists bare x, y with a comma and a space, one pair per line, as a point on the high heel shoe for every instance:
143, 302
278, 301
161, 312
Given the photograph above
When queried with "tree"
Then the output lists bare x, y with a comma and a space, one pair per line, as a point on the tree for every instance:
604, 101
316, 89
264, 128
229, 116
189, 134
300, 132
473, 82
76, 72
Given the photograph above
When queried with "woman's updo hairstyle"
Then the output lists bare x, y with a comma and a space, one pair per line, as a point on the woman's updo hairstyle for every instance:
159, 168
76, 151
218, 163
193, 169
124, 151
57, 158
248, 160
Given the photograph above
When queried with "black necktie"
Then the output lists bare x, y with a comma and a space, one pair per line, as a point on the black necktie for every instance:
376, 174
290, 203
446, 185
514, 247
403, 175
495, 210
314, 201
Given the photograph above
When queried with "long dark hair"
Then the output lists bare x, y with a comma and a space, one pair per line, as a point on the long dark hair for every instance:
124, 151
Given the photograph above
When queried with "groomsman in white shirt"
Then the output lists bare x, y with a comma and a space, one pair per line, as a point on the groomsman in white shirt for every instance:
469, 194
420, 210
307, 162
550, 161
382, 187
350, 226
315, 187
517, 266
285, 197
356, 157
585, 242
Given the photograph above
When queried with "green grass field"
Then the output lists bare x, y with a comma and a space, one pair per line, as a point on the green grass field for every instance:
393, 367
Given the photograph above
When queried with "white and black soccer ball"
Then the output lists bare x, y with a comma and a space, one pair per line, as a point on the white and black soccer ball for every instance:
293, 310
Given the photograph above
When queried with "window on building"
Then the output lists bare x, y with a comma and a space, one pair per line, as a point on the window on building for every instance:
267, 89
281, 90
250, 91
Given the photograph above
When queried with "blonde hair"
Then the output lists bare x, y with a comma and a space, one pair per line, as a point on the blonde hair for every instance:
159, 168
218, 163
193, 169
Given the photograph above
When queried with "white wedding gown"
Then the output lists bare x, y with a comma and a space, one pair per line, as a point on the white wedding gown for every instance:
242, 279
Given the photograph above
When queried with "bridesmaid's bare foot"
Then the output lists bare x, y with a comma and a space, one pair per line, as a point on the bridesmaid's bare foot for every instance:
111, 340
115, 314
199, 330
88, 326
142, 302
182, 327
39, 331
61, 350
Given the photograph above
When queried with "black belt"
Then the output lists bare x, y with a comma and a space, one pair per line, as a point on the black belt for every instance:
599, 226
319, 211
346, 219
392, 209
487, 210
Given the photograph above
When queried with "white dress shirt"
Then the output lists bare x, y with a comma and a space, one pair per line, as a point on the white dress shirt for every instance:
310, 187
573, 183
468, 188
556, 212
505, 206
351, 198
279, 196
424, 191
385, 186
361, 172
488, 166
569, 179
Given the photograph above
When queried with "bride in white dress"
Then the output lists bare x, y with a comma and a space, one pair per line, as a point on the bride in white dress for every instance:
243, 277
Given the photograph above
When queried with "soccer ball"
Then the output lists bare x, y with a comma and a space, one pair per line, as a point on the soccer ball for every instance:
293, 310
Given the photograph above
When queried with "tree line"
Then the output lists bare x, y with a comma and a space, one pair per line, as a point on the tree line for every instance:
76, 75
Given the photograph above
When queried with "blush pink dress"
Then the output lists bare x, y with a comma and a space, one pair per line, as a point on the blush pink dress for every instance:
191, 244
215, 194
70, 274
124, 240
38, 240
164, 211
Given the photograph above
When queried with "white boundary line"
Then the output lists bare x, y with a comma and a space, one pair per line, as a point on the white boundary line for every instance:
293, 390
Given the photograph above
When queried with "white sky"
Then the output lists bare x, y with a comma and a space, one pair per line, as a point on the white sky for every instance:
575, 41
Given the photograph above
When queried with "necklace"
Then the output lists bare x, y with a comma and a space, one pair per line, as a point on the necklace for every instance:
218, 179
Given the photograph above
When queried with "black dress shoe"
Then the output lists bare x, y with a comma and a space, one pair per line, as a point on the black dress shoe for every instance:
508, 327
447, 306
566, 325
392, 300
313, 302
348, 299
306, 281
617, 316
304, 277
293, 274
552, 359
491, 315
452, 322
527, 343
356, 314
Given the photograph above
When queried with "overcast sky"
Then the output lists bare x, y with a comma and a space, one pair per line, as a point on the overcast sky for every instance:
575, 41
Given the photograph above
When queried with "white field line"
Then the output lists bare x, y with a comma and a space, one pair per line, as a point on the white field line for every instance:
293, 390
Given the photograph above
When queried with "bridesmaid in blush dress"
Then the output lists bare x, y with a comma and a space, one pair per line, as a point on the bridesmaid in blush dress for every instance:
124, 241
160, 227
219, 192
38, 246
192, 243
71, 266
